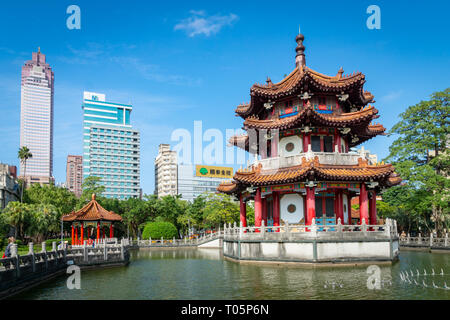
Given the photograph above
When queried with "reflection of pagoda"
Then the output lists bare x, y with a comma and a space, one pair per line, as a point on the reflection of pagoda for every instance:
302, 129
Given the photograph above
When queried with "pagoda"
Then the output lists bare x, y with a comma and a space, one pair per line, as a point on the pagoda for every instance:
91, 221
301, 131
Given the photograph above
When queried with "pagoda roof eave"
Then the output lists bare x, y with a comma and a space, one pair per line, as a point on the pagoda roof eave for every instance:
313, 170
92, 211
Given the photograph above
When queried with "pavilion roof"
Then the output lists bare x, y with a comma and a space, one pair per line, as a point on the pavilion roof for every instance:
313, 170
92, 211
309, 116
301, 77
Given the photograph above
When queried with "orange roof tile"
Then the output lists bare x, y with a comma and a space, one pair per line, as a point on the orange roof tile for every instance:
93, 211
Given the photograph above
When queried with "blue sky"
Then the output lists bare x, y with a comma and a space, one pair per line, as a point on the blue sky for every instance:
180, 61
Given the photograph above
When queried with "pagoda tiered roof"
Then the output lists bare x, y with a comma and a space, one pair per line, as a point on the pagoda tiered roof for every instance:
92, 211
314, 171
304, 77
308, 116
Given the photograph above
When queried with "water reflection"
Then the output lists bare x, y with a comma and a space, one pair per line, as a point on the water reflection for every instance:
204, 274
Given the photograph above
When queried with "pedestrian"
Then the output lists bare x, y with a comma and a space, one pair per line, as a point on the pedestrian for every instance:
7, 253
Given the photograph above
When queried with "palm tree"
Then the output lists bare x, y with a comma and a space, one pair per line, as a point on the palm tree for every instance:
24, 154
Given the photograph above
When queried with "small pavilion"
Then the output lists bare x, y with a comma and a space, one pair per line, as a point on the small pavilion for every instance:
89, 219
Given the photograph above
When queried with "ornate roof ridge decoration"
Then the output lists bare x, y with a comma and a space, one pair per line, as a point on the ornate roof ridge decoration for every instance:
227, 187
92, 211
313, 170
363, 116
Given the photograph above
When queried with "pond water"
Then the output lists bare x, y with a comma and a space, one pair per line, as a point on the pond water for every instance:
204, 274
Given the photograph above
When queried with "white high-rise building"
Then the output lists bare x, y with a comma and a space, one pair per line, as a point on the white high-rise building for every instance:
36, 118
166, 174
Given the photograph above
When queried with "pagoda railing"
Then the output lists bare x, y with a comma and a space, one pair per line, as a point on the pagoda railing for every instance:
180, 242
331, 158
288, 232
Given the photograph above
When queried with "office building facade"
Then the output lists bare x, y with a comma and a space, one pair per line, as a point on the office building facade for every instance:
166, 174
36, 119
74, 174
111, 147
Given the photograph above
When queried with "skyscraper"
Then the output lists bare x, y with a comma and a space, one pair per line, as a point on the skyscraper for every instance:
74, 174
111, 147
36, 118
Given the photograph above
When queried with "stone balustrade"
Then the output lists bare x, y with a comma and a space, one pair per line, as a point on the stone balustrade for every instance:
429, 242
19, 272
179, 242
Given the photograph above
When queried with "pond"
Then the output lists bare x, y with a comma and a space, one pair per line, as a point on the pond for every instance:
204, 274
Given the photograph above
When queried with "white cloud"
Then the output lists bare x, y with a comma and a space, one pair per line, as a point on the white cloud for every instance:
391, 96
199, 23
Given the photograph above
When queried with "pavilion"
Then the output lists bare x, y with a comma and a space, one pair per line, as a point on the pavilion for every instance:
89, 219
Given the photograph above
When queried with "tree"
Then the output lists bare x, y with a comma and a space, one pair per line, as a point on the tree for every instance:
18, 215
24, 154
421, 156
135, 213
62, 199
90, 186
220, 209
170, 207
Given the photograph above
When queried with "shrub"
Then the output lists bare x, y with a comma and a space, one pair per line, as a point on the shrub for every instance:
156, 230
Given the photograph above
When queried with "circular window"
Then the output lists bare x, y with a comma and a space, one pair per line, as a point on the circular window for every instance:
291, 208
289, 147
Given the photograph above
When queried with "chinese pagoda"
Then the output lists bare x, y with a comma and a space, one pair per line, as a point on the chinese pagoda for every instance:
301, 131
91, 220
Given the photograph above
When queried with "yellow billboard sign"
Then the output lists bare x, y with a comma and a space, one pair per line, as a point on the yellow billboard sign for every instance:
214, 172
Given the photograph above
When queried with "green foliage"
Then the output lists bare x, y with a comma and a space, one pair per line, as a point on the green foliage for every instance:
420, 155
90, 186
63, 200
220, 209
159, 229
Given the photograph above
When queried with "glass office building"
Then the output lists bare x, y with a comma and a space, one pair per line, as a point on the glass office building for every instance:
111, 147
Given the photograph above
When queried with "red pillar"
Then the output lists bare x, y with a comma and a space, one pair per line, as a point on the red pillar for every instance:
111, 231
258, 209
349, 206
82, 235
306, 141
373, 208
98, 231
243, 211
310, 204
76, 235
339, 206
276, 208
337, 142
73, 239
363, 204
264, 210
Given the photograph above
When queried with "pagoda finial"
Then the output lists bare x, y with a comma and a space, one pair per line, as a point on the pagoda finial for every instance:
300, 57
93, 196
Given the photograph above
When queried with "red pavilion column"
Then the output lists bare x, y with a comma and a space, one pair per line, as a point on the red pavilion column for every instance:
98, 231
363, 204
258, 209
310, 204
306, 141
111, 231
264, 210
373, 208
276, 208
73, 239
337, 141
76, 235
82, 235
243, 211
349, 206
